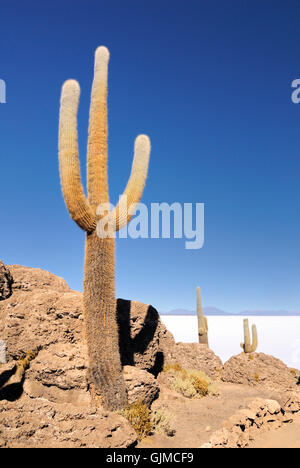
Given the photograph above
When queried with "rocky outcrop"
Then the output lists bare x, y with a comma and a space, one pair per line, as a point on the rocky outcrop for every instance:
258, 369
41, 318
58, 374
143, 337
34, 279
45, 313
6, 282
193, 356
246, 424
141, 385
39, 423
55, 407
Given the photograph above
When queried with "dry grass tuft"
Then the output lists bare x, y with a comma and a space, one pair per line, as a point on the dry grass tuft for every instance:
162, 422
190, 383
138, 415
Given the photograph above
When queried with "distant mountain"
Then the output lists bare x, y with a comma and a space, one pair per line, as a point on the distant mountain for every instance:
215, 311
206, 310
278, 313
178, 312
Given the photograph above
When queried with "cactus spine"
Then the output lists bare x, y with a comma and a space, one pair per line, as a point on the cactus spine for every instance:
247, 346
101, 330
202, 320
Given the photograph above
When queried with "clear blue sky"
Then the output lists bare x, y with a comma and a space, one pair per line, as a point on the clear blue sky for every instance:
210, 82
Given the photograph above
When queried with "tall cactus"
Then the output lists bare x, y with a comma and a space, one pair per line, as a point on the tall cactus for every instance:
202, 320
247, 346
101, 330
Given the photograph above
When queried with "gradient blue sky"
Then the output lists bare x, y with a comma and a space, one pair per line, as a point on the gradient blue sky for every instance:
210, 82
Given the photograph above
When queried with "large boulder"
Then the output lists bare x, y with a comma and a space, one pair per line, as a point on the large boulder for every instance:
44, 311
141, 385
193, 356
58, 373
40, 318
259, 369
6, 282
33, 279
55, 407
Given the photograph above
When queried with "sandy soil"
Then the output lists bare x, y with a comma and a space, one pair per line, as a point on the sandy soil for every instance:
196, 420
287, 436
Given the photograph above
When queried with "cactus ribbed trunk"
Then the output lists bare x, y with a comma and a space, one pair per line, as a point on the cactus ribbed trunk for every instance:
202, 320
101, 323
247, 346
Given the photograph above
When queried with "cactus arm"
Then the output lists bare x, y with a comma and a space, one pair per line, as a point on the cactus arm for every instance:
246, 344
69, 168
132, 194
97, 151
97, 183
254, 339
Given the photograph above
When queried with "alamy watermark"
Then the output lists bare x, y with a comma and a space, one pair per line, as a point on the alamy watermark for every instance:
296, 93
2, 92
161, 221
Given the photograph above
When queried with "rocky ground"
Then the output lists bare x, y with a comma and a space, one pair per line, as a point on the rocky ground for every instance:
51, 406
195, 421
287, 436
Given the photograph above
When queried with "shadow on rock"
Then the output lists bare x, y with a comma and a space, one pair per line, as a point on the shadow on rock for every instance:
138, 330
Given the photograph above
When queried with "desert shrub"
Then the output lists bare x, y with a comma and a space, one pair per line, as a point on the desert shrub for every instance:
138, 415
190, 383
182, 384
162, 422
200, 384
213, 389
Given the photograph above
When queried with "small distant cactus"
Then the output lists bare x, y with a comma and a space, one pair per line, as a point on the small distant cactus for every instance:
2, 352
202, 320
247, 346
